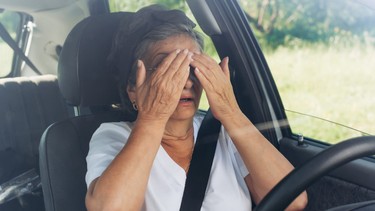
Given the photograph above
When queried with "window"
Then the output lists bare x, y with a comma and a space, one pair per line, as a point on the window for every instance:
12, 23
321, 56
120, 5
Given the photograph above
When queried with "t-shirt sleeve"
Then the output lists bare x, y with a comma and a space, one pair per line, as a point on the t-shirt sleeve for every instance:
105, 144
236, 155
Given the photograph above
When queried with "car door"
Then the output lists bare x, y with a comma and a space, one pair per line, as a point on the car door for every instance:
264, 90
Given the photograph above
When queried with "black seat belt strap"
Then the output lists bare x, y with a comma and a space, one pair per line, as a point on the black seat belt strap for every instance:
9, 40
200, 165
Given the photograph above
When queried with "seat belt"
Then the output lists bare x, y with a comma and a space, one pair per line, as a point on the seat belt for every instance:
9, 40
200, 165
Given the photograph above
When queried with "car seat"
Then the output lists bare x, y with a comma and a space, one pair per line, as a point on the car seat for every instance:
84, 81
28, 106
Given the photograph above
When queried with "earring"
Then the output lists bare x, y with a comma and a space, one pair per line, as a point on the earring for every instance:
135, 107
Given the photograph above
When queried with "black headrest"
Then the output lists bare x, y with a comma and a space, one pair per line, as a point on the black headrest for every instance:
83, 74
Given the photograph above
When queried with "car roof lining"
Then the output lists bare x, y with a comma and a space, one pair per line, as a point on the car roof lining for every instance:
35, 5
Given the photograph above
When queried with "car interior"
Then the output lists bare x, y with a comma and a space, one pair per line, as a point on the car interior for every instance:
86, 84
46, 121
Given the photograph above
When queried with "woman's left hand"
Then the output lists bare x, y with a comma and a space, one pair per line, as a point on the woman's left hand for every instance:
215, 80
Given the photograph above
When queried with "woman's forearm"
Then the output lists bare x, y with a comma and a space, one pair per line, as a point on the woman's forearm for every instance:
267, 166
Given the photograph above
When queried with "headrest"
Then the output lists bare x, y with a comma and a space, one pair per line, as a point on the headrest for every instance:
83, 74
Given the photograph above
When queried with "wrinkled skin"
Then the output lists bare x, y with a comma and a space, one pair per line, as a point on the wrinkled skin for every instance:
157, 94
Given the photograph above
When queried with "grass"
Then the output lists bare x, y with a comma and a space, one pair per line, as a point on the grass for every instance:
332, 84
328, 93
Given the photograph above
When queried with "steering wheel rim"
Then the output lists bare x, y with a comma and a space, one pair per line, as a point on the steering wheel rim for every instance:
303, 176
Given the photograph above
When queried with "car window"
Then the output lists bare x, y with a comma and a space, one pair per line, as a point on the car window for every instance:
120, 5
12, 22
321, 55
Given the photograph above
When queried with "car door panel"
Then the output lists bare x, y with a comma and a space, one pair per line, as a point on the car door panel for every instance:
350, 183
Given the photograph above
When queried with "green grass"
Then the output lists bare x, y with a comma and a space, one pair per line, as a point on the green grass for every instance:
203, 104
337, 85
334, 84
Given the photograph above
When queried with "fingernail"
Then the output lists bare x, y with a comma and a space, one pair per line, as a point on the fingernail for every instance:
190, 55
178, 50
186, 51
197, 70
139, 63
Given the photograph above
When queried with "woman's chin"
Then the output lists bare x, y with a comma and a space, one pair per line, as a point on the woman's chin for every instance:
184, 112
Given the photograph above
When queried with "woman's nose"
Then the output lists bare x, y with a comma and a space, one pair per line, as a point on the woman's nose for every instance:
189, 83
191, 80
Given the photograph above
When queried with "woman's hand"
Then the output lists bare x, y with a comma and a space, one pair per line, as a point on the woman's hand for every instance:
268, 166
215, 80
158, 93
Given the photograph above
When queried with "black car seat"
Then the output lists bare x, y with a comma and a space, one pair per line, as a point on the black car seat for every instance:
85, 81
28, 105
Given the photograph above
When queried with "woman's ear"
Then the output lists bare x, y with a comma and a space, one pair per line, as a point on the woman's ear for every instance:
131, 92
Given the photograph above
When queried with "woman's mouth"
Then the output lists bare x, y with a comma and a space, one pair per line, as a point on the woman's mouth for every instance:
188, 99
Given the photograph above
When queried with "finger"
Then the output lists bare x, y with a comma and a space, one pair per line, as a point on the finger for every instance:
206, 85
211, 69
141, 73
176, 64
204, 59
203, 69
182, 77
184, 68
164, 65
224, 66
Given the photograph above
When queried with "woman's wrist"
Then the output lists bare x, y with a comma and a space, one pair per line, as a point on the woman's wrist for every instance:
233, 114
151, 120
144, 129
237, 125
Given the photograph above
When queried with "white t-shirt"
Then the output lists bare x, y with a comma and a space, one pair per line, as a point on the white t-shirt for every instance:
226, 188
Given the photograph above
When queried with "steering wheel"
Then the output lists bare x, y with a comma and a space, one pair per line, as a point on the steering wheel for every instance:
303, 176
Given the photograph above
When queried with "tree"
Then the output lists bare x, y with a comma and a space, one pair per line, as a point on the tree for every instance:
281, 22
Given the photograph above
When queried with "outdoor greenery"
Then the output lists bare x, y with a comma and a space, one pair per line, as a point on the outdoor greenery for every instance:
294, 23
10, 20
336, 85
321, 56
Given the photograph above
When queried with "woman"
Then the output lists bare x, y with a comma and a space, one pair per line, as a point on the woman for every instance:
143, 164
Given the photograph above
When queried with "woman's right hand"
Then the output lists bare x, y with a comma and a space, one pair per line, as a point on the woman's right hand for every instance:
158, 93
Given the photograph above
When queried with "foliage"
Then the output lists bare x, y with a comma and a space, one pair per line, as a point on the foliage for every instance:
11, 22
297, 22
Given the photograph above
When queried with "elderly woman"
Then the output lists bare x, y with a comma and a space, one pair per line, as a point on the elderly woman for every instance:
142, 165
